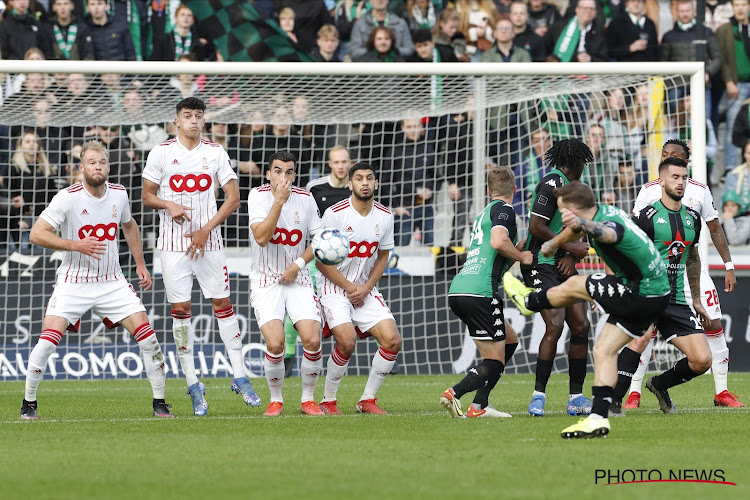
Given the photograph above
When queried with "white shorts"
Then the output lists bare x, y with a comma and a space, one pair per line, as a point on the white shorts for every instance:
113, 300
211, 270
337, 310
276, 301
709, 296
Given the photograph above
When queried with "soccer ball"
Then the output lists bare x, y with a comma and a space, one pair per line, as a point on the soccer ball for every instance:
330, 246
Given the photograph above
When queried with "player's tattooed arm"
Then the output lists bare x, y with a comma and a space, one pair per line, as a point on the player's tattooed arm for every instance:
722, 247
597, 230
693, 272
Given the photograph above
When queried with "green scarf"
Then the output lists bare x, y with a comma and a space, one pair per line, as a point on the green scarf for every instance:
567, 43
65, 45
436, 85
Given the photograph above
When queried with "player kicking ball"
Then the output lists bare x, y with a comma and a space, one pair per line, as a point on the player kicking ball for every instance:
475, 297
351, 304
634, 296
89, 216
282, 218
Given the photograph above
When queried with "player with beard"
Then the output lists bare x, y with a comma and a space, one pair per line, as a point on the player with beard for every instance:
675, 230
89, 216
351, 304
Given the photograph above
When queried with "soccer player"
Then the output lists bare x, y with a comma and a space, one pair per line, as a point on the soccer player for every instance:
88, 216
282, 217
634, 296
675, 230
475, 296
179, 180
334, 187
351, 304
567, 158
698, 197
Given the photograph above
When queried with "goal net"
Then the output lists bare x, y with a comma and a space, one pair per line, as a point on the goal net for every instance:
430, 130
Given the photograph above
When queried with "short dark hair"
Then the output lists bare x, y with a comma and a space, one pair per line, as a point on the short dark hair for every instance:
578, 193
422, 35
501, 181
672, 160
191, 103
678, 142
282, 156
362, 166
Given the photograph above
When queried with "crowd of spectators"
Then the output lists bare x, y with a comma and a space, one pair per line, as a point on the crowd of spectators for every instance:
417, 156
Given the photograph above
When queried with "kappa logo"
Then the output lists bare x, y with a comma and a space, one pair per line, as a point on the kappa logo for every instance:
498, 322
481, 332
85, 212
474, 370
592, 289
175, 162
498, 333
496, 311
552, 183
537, 282
610, 290
494, 302
534, 272
600, 289
621, 289
660, 220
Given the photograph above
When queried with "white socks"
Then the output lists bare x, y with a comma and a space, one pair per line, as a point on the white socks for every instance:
637, 382
153, 359
382, 363
38, 361
274, 367
720, 358
309, 370
337, 365
184, 343
229, 330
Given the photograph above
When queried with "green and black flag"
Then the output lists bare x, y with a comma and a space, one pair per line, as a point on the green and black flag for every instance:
241, 34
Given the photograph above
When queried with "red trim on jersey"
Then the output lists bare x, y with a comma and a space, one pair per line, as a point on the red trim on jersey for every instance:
382, 207
170, 141
340, 206
75, 187
301, 191
116, 186
209, 143
651, 183
691, 181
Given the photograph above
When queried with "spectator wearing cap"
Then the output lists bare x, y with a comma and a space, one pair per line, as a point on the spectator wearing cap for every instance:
327, 44
20, 31
524, 35
380, 17
425, 49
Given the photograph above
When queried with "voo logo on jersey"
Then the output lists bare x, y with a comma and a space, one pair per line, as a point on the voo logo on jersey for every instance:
283, 237
190, 183
362, 249
101, 231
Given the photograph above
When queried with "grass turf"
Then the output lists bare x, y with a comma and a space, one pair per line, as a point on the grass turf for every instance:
96, 439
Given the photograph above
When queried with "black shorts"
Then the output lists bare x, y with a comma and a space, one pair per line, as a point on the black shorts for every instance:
483, 316
541, 277
678, 321
632, 313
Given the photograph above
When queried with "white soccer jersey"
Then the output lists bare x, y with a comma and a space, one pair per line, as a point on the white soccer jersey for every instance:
78, 214
299, 220
697, 196
366, 236
188, 177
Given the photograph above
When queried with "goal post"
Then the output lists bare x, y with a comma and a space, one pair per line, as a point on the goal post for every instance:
466, 117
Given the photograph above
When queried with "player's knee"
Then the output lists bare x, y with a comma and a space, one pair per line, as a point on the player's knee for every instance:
392, 344
581, 329
275, 346
602, 351
220, 304
701, 362
346, 346
554, 327
311, 344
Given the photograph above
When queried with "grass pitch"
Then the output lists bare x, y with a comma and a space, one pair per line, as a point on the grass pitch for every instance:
96, 439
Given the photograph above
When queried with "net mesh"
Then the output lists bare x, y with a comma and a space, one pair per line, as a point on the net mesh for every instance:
434, 132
